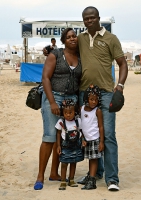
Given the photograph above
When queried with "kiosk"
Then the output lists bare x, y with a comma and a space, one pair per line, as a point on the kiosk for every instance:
42, 28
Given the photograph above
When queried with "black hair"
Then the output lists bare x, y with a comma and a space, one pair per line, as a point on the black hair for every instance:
92, 89
52, 39
90, 7
68, 103
64, 34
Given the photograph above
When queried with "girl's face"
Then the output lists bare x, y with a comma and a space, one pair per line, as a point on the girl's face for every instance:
93, 100
69, 113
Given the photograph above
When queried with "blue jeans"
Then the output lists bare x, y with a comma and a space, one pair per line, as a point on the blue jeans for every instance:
111, 148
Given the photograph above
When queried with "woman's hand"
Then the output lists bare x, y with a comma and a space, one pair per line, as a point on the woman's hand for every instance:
45, 52
55, 108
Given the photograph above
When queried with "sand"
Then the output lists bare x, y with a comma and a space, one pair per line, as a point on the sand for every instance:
20, 138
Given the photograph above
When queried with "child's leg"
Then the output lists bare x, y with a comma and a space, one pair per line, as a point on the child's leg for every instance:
63, 171
63, 176
91, 182
72, 170
93, 164
71, 175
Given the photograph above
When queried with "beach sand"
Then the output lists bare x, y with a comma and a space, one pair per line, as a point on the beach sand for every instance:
20, 138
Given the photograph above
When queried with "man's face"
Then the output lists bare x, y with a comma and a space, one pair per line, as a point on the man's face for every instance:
53, 42
91, 19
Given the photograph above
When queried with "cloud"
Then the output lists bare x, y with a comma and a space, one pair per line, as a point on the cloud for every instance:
23, 3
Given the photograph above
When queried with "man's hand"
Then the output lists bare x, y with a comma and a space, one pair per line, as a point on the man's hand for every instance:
118, 87
45, 52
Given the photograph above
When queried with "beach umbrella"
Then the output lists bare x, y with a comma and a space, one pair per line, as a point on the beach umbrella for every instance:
8, 53
40, 45
131, 46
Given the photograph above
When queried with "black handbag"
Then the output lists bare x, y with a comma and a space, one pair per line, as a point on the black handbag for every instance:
34, 97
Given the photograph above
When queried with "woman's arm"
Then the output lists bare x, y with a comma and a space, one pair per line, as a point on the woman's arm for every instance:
48, 71
101, 128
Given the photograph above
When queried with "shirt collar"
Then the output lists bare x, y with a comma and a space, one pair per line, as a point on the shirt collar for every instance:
101, 32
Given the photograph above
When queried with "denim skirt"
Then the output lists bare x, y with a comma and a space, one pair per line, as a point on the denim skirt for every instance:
72, 154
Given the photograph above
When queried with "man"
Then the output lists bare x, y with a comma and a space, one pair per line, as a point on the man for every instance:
98, 48
49, 48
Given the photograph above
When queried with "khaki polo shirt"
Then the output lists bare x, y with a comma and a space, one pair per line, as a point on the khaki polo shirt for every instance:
97, 59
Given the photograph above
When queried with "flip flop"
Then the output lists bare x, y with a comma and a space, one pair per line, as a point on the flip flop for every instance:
38, 185
50, 179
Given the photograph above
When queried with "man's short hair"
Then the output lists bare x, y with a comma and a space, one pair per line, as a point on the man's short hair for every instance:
52, 39
90, 7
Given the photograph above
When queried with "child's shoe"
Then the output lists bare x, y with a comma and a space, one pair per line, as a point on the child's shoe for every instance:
71, 183
63, 186
90, 184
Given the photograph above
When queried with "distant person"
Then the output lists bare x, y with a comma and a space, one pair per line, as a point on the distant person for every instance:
69, 142
49, 48
93, 131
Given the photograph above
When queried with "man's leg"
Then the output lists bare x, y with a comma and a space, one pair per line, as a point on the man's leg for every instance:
111, 148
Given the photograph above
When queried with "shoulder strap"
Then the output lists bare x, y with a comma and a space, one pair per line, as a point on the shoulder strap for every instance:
65, 127
77, 124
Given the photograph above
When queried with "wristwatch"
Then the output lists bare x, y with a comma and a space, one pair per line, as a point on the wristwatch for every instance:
121, 85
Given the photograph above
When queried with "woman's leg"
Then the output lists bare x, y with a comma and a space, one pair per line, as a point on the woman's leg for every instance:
55, 164
44, 155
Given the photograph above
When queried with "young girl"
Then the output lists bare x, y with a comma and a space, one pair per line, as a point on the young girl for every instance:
92, 128
69, 142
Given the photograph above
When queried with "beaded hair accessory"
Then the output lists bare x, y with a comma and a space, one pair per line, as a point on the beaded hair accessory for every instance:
68, 102
94, 90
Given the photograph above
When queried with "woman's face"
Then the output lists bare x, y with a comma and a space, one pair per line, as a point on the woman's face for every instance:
71, 40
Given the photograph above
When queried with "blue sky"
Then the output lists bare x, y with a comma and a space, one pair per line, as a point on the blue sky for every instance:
127, 15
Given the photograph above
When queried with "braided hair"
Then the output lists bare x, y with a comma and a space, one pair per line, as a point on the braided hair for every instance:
94, 90
68, 103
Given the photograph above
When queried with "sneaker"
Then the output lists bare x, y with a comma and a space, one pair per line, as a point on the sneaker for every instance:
113, 186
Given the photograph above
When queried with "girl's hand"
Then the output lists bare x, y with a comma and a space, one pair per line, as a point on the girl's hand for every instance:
55, 109
59, 150
101, 146
84, 143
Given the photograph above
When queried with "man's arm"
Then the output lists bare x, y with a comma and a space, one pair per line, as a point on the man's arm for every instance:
123, 72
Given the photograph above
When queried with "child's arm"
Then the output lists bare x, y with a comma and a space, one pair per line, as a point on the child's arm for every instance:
101, 129
59, 142
84, 143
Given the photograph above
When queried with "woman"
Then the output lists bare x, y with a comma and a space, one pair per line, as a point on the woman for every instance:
61, 76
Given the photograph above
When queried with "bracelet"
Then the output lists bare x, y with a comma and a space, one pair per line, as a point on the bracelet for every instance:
121, 85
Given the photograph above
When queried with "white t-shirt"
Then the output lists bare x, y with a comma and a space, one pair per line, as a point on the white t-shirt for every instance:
71, 125
89, 124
